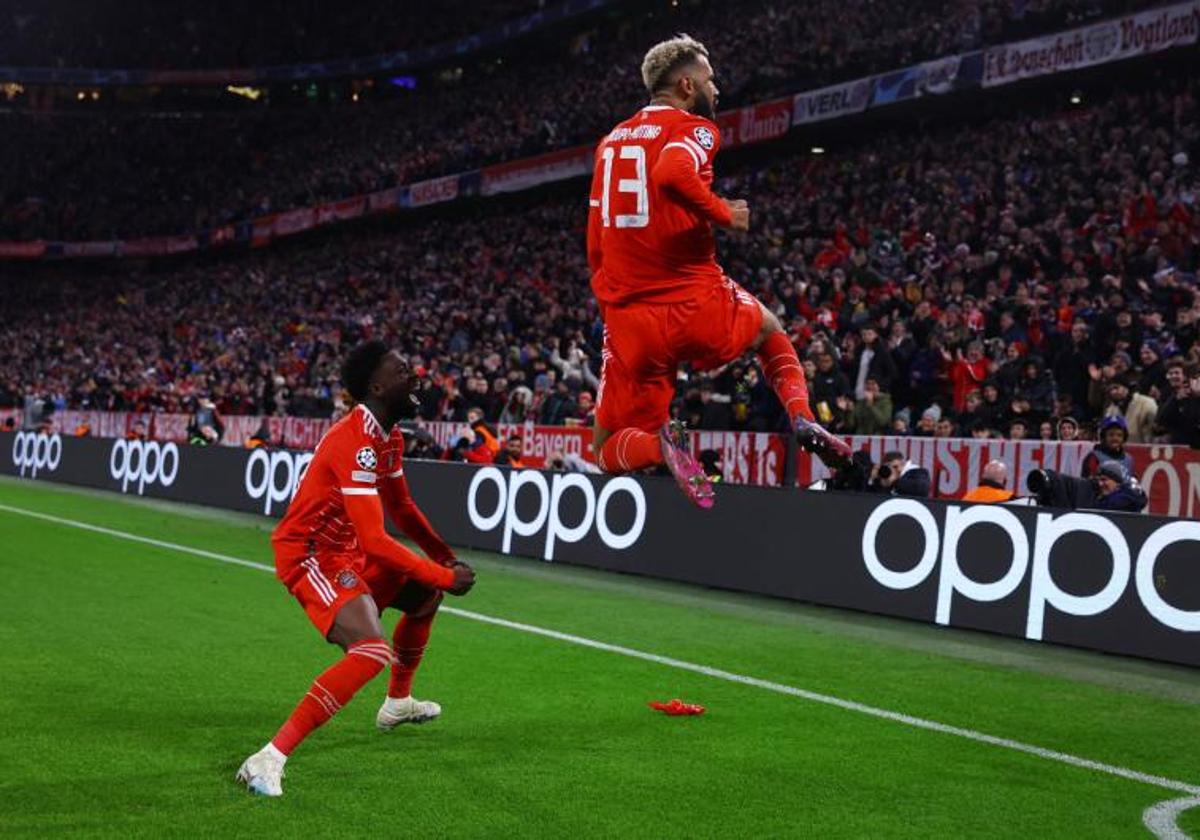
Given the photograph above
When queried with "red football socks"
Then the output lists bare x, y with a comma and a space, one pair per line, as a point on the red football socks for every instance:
332, 690
782, 368
408, 643
630, 449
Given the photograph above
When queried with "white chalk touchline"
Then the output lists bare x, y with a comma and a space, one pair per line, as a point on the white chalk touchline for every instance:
1158, 818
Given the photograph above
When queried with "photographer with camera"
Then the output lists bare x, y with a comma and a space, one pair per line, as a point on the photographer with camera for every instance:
900, 477
1112, 488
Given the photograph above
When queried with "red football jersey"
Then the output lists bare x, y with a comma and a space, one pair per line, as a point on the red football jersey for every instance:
352, 458
652, 208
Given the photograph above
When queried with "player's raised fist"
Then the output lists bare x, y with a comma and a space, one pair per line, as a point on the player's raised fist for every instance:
740, 211
464, 579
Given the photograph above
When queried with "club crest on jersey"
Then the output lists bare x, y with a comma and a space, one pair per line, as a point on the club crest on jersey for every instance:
346, 579
704, 137
365, 458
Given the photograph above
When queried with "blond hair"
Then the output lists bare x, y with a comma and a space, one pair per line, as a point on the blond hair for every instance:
667, 56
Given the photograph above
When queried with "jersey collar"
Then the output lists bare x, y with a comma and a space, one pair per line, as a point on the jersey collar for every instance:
371, 424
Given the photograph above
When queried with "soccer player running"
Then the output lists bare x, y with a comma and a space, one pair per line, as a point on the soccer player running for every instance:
664, 298
333, 555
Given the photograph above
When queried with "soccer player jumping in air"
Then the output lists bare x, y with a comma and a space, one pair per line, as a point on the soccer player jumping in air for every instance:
664, 298
333, 555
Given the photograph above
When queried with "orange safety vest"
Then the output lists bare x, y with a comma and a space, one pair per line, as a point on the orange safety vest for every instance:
983, 493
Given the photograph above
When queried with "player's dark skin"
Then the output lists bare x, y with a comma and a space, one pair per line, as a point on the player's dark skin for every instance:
694, 89
391, 390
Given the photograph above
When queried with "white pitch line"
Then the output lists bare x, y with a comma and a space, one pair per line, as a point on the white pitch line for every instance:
1158, 818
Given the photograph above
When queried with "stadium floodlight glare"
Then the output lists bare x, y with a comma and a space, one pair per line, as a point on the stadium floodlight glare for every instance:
251, 93
818, 150
1076, 99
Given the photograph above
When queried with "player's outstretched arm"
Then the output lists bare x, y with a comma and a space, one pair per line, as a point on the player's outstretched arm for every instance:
402, 507
366, 514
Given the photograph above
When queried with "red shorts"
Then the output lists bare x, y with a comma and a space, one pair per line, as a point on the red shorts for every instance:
324, 584
644, 343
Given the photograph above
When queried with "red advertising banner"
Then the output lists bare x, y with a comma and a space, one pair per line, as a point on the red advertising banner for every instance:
1169, 474
745, 457
523, 174
294, 221
336, 211
433, 191
22, 250
765, 121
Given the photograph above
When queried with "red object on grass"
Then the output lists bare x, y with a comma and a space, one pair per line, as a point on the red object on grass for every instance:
677, 707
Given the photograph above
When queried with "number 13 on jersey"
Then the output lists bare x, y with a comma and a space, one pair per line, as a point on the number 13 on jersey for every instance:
635, 186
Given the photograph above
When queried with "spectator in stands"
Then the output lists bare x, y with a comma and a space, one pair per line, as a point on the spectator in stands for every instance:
1071, 362
516, 410
967, 373
827, 386
1035, 387
205, 427
991, 487
1113, 435
927, 424
558, 406
137, 431
871, 415
485, 436
1068, 429
1018, 429
1137, 410
1179, 414
510, 455
872, 359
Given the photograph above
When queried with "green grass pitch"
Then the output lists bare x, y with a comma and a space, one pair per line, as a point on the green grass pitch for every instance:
136, 678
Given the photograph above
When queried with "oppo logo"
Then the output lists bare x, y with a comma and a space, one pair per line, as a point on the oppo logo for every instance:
1026, 559
33, 453
548, 516
274, 476
142, 462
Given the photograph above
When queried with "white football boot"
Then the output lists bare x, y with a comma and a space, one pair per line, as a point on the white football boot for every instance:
262, 773
398, 710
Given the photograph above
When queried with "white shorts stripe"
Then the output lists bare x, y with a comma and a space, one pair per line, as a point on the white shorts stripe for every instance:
319, 588
319, 581
360, 491
397, 473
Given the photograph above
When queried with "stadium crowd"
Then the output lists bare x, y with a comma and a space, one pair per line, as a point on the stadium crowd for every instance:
222, 34
170, 173
1024, 277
